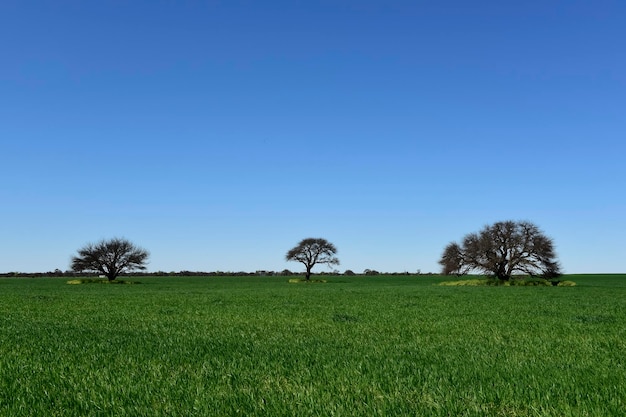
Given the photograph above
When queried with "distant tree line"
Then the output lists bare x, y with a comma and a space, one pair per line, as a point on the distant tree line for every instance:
185, 273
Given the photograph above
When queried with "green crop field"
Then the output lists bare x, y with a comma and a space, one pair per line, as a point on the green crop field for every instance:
354, 346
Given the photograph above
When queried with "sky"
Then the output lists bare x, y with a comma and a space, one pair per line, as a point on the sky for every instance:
218, 134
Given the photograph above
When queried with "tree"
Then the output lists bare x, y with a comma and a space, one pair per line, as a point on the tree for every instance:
502, 250
313, 251
110, 257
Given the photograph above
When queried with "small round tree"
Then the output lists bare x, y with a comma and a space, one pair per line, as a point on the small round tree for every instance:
110, 257
313, 251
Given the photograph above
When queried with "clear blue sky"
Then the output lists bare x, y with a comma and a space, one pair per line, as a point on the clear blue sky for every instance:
217, 134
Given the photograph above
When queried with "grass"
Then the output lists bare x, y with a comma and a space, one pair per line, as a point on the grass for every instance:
352, 346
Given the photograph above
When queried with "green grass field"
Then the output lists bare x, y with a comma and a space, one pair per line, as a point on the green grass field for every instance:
355, 346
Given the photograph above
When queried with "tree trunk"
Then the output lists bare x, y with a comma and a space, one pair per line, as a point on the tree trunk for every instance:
308, 273
501, 273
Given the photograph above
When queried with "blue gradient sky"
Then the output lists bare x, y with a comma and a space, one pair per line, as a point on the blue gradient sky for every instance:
217, 134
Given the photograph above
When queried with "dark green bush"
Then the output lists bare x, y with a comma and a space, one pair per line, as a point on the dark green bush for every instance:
531, 282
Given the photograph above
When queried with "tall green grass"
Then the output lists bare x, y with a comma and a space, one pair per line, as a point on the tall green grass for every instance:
352, 346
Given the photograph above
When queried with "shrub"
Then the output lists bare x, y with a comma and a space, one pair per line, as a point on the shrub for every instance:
531, 282
98, 281
305, 281
516, 282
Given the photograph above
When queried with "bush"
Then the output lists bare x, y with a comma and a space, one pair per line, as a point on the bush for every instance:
495, 282
515, 282
531, 282
98, 281
304, 281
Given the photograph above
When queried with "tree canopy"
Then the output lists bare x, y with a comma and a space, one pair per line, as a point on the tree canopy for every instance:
110, 257
312, 251
502, 250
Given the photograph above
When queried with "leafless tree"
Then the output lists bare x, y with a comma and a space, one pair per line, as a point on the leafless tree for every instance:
502, 250
110, 257
313, 251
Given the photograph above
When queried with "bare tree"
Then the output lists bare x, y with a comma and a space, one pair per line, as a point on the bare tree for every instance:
503, 249
110, 257
313, 251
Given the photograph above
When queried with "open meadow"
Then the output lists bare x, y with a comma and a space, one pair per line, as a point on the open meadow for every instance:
354, 346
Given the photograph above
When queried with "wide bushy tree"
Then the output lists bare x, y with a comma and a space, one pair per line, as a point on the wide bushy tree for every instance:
110, 257
312, 251
502, 250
